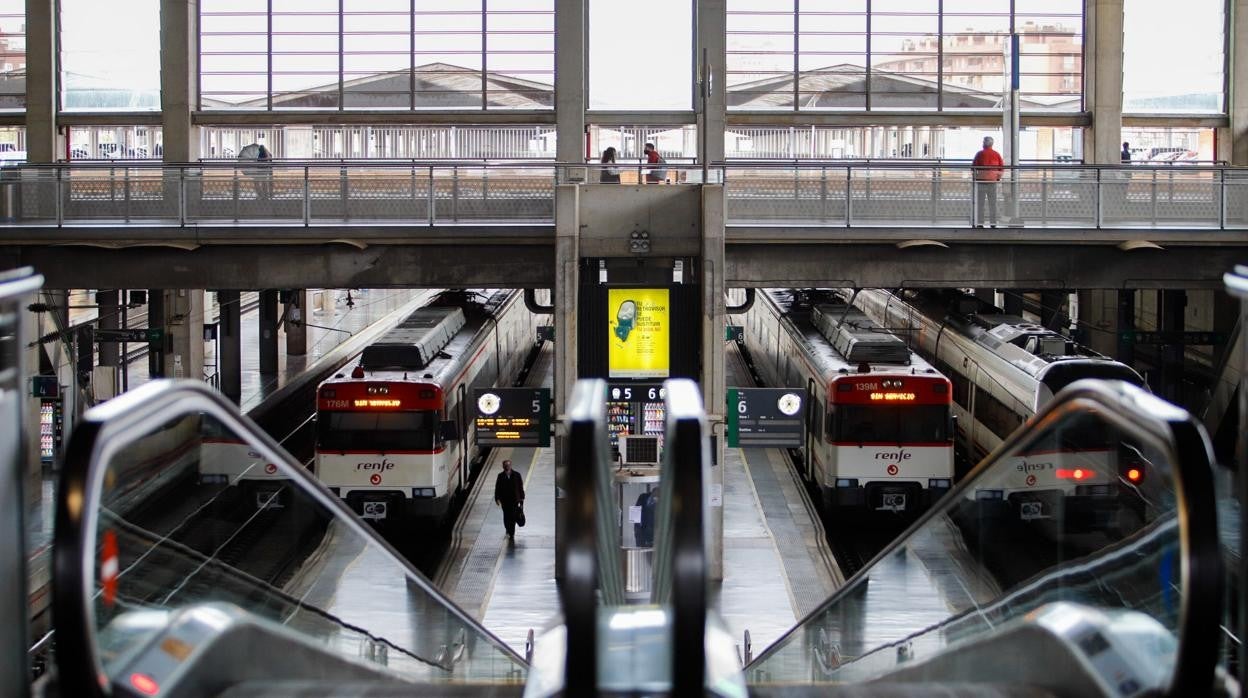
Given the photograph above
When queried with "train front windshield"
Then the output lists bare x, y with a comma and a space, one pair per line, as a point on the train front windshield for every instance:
900, 424
377, 431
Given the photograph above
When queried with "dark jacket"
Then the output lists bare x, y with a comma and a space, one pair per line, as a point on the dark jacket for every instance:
509, 493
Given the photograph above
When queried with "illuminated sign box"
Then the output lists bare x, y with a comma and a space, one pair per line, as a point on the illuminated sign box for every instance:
639, 322
766, 417
511, 416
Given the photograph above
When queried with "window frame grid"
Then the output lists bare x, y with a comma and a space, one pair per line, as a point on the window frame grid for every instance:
482, 31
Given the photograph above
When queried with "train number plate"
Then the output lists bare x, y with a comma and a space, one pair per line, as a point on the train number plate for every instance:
892, 502
1030, 511
375, 510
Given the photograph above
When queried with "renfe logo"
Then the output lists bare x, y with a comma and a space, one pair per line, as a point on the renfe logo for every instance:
384, 465
893, 455
1029, 467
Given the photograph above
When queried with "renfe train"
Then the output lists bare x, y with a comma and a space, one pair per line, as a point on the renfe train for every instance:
880, 423
1005, 368
392, 435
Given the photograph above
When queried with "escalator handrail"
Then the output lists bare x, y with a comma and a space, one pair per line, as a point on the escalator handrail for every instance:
1133, 409
587, 432
687, 470
98, 435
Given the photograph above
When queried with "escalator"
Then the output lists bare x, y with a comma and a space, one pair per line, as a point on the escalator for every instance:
1081, 558
171, 579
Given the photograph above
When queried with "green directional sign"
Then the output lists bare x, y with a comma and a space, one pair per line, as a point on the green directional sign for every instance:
734, 333
1172, 337
153, 335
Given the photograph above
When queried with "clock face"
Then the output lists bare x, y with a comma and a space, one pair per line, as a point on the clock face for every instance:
489, 403
789, 403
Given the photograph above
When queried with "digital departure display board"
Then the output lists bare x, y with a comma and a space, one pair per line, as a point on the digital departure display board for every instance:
512, 416
766, 417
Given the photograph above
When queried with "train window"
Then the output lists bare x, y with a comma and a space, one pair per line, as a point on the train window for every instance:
993, 414
890, 424
377, 431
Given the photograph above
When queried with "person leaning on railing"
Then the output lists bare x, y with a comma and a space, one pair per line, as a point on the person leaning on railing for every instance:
986, 168
609, 175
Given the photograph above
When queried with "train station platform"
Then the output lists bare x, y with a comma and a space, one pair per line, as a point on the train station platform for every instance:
508, 585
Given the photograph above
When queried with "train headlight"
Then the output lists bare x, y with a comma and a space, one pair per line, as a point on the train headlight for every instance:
847, 482
939, 482
983, 495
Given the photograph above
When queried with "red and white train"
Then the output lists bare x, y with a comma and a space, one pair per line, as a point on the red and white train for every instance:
392, 436
880, 424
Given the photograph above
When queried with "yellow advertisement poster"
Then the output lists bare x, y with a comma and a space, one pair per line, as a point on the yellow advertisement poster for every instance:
639, 324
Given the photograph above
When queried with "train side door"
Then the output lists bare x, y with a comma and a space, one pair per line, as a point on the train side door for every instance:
461, 416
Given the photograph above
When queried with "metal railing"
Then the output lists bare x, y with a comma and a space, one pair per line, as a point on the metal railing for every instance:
816, 193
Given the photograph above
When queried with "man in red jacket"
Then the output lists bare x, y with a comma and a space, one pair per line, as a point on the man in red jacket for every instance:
986, 168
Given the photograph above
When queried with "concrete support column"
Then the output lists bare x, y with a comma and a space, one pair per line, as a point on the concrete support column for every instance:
184, 324
179, 79
230, 345
714, 379
1053, 311
566, 300
1173, 308
570, 88
712, 28
1098, 317
1236, 150
109, 319
1126, 323
296, 313
42, 144
1102, 143
155, 318
1014, 301
267, 340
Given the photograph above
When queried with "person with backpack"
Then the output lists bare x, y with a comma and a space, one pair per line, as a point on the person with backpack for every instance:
655, 174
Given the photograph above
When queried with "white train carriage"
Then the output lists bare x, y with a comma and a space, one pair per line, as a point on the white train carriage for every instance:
1005, 368
228, 461
392, 436
881, 437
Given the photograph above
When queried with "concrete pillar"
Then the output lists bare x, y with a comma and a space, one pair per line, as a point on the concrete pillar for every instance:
1102, 71
1098, 317
566, 300
179, 78
42, 144
230, 345
267, 340
110, 318
1172, 307
155, 318
1053, 311
184, 325
712, 32
295, 312
1236, 151
1126, 323
714, 379
570, 89
1013, 298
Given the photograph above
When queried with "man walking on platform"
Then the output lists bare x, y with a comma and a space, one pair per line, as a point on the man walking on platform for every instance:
986, 169
509, 494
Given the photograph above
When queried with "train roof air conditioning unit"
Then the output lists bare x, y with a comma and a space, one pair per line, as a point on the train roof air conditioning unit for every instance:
640, 450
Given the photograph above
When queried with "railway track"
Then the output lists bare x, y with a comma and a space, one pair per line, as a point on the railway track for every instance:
856, 540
